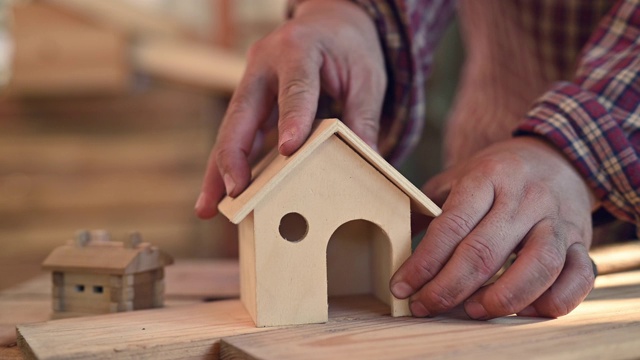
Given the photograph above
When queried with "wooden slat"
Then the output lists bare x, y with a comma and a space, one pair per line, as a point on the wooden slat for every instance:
57, 53
123, 16
190, 63
177, 333
617, 257
606, 326
187, 282
172, 333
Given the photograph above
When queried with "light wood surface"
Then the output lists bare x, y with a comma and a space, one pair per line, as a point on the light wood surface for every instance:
187, 282
123, 16
189, 63
605, 326
616, 257
171, 333
123, 163
59, 53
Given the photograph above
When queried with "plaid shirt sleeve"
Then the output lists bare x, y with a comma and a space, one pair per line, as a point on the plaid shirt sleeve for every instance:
409, 33
595, 119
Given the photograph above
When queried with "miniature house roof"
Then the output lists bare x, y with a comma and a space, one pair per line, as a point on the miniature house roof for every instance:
274, 167
106, 257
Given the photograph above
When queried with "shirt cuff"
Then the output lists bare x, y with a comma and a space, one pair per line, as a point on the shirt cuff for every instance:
579, 124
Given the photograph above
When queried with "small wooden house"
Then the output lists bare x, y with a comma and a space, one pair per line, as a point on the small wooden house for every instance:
332, 219
94, 275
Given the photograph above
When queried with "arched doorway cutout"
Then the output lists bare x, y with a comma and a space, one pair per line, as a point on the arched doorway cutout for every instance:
359, 261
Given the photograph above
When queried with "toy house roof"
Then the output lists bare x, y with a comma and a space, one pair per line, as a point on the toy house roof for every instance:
106, 257
274, 167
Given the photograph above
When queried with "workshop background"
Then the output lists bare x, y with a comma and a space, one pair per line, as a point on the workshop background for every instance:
108, 111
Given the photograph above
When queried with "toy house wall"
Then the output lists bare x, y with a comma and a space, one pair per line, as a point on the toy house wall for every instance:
83, 293
332, 187
247, 256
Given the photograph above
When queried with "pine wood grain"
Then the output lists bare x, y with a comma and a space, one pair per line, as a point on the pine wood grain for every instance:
172, 333
189, 63
187, 282
605, 326
616, 257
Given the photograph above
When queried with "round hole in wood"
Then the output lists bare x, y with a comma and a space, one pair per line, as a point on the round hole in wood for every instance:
293, 227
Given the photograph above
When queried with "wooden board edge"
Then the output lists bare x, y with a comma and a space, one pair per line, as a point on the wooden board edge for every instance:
24, 346
228, 351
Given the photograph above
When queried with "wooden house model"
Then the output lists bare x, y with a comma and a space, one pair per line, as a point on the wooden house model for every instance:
331, 219
94, 275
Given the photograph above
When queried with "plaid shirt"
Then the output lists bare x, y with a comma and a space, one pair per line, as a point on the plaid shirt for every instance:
587, 51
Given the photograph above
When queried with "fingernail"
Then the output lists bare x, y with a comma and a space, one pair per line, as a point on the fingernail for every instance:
475, 310
529, 311
418, 310
229, 184
284, 138
401, 290
200, 202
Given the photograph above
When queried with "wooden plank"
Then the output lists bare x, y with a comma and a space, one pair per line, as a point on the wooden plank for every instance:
123, 16
57, 53
170, 333
616, 257
190, 63
187, 282
606, 325
173, 333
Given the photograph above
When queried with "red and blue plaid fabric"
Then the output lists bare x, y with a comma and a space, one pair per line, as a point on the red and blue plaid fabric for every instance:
589, 49
595, 119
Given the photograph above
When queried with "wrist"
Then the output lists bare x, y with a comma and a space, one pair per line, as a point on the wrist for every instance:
564, 165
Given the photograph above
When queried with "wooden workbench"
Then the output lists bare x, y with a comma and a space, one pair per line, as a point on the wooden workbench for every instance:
187, 282
606, 325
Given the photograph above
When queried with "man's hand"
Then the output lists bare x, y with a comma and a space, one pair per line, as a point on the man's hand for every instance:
519, 195
330, 45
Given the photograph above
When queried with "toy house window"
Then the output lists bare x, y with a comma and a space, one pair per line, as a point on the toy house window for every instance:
98, 289
79, 288
293, 227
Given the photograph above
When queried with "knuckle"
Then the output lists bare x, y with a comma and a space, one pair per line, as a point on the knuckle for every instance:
293, 88
240, 104
224, 155
549, 263
585, 278
536, 191
503, 165
292, 35
442, 299
426, 267
457, 223
506, 302
480, 254
368, 126
256, 50
555, 307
